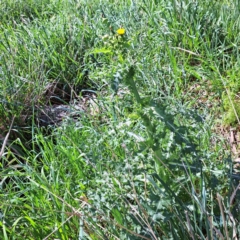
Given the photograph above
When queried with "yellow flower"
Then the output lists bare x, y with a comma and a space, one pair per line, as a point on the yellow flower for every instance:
121, 31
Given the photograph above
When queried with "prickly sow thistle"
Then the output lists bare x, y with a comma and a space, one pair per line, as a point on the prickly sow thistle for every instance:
120, 31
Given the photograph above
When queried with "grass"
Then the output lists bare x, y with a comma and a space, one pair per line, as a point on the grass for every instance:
144, 158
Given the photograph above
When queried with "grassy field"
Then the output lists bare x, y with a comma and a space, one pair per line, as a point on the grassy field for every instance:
115, 119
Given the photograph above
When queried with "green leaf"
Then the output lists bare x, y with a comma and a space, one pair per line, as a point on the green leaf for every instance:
100, 50
117, 216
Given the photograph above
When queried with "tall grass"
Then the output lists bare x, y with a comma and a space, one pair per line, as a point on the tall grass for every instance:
142, 161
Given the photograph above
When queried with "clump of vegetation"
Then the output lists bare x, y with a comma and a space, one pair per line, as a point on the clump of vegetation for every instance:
230, 97
232, 109
138, 88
